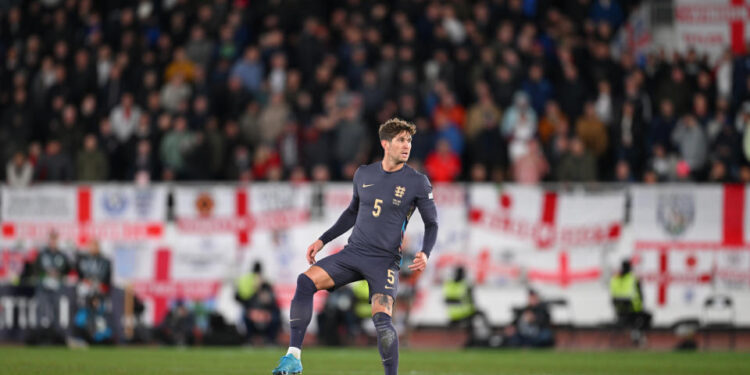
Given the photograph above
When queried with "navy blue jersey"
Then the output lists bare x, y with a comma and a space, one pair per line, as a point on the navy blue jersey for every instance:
381, 206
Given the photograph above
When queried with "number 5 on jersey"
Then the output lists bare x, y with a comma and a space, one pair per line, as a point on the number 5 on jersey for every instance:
391, 277
376, 211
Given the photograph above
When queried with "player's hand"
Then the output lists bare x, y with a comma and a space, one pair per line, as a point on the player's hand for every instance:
312, 250
420, 262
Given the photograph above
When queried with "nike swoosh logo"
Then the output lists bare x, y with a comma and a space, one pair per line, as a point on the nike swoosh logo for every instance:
388, 287
364, 186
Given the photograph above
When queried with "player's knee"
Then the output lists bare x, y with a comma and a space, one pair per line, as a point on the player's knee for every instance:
319, 277
382, 303
305, 284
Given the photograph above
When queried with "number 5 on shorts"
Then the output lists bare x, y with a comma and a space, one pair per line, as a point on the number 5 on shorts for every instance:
391, 277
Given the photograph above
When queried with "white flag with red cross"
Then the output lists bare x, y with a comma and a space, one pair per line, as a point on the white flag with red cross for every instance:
704, 216
712, 26
241, 210
676, 277
531, 218
188, 267
81, 213
689, 240
563, 269
211, 210
552, 238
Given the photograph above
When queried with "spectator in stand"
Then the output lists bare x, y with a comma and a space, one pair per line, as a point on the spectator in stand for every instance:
622, 172
174, 147
199, 49
449, 109
718, 172
145, 166
478, 173
592, 131
692, 147
424, 143
482, 113
210, 61
249, 69
17, 130
69, 132
700, 110
604, 102
577, 165
662, 164
19, 171
54, 165
538, 88
180, 65
519, 125
551, 121
443, 164
272, 119
265, 160
91, 163
124, 118
351, 142
572, 92
175, 93
532, 166
504, 86
488, 149
677, 90
446, 129
628, 138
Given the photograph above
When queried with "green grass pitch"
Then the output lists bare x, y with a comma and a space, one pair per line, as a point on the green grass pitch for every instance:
250, 361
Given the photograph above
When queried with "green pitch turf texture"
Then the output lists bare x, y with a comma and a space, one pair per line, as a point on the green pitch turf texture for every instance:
250, 361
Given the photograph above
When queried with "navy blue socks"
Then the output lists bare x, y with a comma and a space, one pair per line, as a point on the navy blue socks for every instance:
387, 342
301, 311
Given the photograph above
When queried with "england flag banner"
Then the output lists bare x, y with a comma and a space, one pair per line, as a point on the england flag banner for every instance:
528, 234
187, 267
241, 210
81, 213
691, 242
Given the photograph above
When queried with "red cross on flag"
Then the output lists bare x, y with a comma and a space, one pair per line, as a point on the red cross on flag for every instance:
240, 210
563, 268
675, 273
520, 217
192, 268
215, 209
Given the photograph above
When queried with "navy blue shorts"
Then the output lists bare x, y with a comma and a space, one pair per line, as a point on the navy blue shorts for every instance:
352, 264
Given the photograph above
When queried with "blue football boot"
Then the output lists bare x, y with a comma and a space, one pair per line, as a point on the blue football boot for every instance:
288, 365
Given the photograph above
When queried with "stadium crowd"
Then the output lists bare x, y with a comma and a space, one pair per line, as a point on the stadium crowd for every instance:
501, 90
